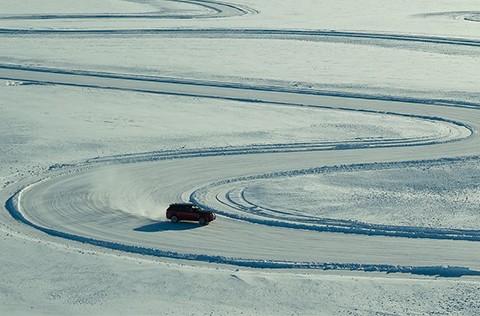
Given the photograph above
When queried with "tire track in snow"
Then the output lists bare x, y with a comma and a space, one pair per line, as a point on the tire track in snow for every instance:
457, 130
218, 10
312, 35
471, 16
241, 209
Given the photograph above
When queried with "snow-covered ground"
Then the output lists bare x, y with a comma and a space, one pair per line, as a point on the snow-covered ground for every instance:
444, 195
338, 142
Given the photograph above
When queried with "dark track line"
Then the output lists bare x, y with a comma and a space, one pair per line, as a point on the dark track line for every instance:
220, 9
256, 33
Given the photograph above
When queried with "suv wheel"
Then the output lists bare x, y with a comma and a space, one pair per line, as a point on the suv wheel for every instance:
174, 219
202, 221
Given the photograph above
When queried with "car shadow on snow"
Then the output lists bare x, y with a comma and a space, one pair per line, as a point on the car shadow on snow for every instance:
165, 226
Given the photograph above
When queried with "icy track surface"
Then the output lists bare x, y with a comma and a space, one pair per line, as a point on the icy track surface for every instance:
344, 167
127, 197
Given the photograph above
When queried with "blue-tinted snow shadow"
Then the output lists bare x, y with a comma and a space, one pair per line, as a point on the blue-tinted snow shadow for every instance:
166, 226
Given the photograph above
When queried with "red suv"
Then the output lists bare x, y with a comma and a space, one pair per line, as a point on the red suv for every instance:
189, 212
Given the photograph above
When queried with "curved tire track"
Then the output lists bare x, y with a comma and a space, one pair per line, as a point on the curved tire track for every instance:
443, 271
219, 10
238, 207
312, 35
